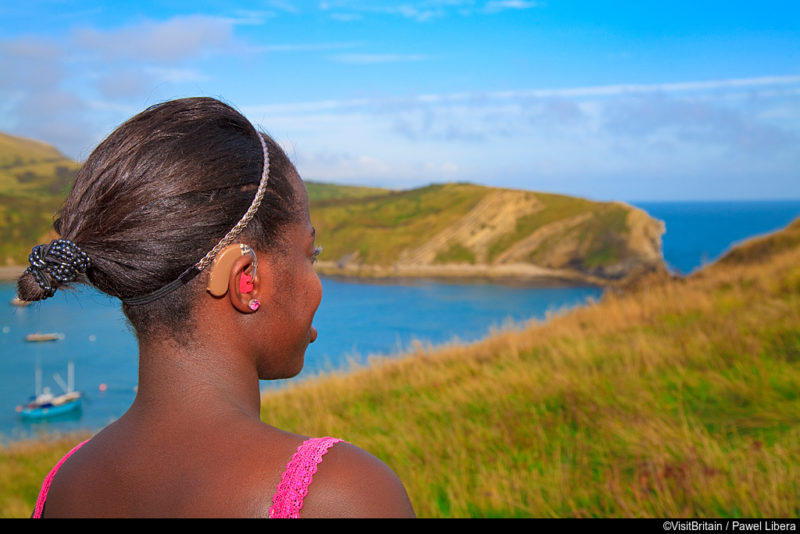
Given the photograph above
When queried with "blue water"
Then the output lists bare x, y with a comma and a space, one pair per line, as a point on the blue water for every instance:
355, 320
697, 233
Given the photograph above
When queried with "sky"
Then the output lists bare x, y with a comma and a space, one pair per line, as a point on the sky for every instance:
608, 100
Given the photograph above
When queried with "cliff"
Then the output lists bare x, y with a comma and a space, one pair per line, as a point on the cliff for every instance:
471, 231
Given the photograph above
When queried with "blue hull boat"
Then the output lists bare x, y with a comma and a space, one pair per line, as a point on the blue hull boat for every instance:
40, 408
46, 404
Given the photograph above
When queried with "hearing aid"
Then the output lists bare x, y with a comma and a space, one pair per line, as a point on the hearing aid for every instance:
245, 283
219, 277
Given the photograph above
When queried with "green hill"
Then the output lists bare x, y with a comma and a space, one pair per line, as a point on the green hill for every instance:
34, 179
466, 230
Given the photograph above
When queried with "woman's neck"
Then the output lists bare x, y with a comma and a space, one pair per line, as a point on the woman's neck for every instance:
196, 381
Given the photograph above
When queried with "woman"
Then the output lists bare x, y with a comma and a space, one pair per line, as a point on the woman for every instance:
200, 225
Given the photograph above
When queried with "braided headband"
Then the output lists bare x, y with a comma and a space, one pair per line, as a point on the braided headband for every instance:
63, 259
234, 232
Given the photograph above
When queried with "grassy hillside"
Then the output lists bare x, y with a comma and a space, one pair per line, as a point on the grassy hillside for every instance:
466, 225
34, 179
379, 228
677, 399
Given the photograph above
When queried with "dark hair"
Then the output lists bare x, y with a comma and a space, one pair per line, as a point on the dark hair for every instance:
159, 193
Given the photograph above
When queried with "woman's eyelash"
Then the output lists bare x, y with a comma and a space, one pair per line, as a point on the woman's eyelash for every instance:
317, 252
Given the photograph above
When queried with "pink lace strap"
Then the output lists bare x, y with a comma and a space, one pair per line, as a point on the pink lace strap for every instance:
293, 487
37, 512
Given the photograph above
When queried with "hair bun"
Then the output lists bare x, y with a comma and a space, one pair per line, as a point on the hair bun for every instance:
61, 261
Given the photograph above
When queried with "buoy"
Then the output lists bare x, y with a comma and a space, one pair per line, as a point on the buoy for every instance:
103, 387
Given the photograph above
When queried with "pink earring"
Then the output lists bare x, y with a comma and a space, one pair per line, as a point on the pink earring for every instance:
254, 304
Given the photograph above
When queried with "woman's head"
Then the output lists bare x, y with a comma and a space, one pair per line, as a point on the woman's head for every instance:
159, 193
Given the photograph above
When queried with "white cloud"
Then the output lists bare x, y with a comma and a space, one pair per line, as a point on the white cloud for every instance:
35, 102
173, 40
124, 84
31, 62
668, 137
50, 85
787, 85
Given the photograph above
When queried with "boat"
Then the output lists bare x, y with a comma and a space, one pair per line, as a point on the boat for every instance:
50, 336
46, 404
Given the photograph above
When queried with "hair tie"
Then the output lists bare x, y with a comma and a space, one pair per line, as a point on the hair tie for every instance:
61, 259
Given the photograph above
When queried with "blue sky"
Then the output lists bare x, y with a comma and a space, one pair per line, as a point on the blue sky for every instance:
606, 100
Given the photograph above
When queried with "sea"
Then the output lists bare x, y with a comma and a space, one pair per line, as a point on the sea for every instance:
358, 321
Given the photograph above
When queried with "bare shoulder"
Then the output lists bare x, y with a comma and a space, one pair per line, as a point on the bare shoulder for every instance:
351, 482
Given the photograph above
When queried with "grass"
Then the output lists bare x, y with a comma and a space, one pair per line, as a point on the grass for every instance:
456, 253
379, 228
19, 150
23, 467
680, 400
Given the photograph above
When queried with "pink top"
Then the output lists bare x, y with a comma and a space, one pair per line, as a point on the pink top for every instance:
292, 489
37, 512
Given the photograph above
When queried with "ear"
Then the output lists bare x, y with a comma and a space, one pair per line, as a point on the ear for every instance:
246, 283
219, 274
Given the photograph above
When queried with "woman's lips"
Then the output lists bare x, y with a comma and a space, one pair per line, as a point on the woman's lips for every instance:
313, 336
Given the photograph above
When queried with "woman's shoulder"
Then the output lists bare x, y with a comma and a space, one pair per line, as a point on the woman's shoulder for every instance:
351, 482
231, 477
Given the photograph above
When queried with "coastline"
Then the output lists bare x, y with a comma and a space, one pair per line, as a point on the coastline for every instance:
507, 281
518, 274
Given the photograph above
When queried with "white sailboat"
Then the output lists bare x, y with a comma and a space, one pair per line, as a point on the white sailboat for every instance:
46, 404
